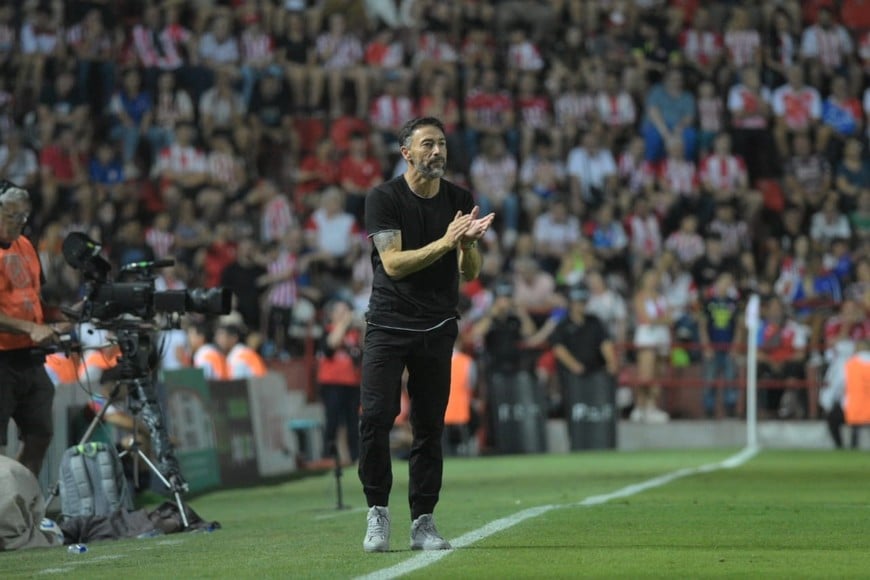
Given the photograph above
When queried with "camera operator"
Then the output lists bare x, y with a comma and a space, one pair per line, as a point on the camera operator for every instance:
26, 391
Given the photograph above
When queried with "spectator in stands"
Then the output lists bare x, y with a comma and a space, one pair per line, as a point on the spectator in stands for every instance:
221, 107
573, 111
132, 111
826, 48
218, 47
829, 223
18, 162
797, 108
719, 326
579, 259
204, 354
488, 111
742, 45
439, 101
782, 345
339, 375
333, 236
390, 110
542, 178
670, 112
749, 107
592, 172
172, 107
287, 273
707, 269
679, 183
608, 305
159, 236
807, 175
93, 47
616, 110
702, 46
502, 330
609, 240
534, 112
859, 219
645, 236
842, 119
182, 164
686, 243
272, 123
60, 103
317, 171
652, 343
781, 47
852, 174
636, 173
241, 277
257, 56
62, 170
358, 173
41, 47
243, 362
711, 114
340, 53
494, 179
554, 232
227, 172
297, 53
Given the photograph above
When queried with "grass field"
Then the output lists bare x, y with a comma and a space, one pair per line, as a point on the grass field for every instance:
782, 514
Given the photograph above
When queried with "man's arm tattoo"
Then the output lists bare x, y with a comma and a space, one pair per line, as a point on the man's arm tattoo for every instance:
387, 240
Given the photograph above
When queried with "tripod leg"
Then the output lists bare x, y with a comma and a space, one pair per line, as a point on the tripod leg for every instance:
175, 492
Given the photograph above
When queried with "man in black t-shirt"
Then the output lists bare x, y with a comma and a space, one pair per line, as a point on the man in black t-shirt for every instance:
425, 232
580, 342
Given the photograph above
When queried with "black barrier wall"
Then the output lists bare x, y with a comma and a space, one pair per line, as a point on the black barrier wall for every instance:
590, 408
517, 411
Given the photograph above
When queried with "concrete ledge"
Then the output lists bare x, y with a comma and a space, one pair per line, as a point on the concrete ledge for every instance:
703, 434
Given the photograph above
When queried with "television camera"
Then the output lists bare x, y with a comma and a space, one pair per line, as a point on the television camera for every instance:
130, 310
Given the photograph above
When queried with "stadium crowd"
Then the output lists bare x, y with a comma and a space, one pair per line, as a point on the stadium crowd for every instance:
673, 156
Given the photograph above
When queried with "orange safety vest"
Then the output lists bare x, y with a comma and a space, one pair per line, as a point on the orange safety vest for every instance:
212, 362
459, 405
243, 362
19, 290
857, 399
62, 370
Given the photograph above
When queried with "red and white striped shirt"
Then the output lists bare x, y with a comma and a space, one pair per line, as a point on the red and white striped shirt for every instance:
534, 111
637, 173
710, 114
339, 52
645, 235
573, 109
488, 108
701, 46
161, 242
525, 56
258, 47
432, 48
830, 46
742, 46
494, 179
178, 159
679, 176
391, 112
283, 294
616, 110
276, 218
688, 247
723, 172
167, 57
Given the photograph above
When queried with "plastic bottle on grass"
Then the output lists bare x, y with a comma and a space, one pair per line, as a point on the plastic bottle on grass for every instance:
77, 549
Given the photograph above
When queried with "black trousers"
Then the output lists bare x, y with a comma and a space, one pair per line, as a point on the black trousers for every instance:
26, 395
342, 408
427, 356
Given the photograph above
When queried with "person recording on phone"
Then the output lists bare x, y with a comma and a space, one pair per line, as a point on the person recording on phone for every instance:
26, 391
425, 232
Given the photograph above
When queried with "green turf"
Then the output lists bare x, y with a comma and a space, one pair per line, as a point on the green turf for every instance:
783, 514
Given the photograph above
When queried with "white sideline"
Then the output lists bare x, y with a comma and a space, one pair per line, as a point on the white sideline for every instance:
424, 559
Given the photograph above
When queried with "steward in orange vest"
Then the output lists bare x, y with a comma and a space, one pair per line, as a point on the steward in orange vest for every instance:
242, 361
856, 402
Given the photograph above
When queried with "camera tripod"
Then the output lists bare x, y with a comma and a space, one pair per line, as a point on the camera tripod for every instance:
135, 366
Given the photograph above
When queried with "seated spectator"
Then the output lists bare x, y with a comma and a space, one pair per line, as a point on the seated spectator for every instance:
534, 288
93, 47
358, 173
859, 219
317, 171
534, 112
750, 111
390, 111
132, 112
826, 48
679, 183
782, 346
494, 180
724, 177
734, 233
227, 172
60, 103
18, 162
742, 44
573, 111
797, 108
488, 111
842, 119
852, 175
592, 172
616, 110
276, 213
829, 223
436, 54
575, 263
686, 243
159, 236
41, 35
182, 164
297, 53
670, 112
221, 107
701, 44
340, 54
554, 232
172, 106
218, 48
791, 269
807, 175
439, 101
635, 172
608, 305
257, 57
609, 240
645, 236
272, 124
542, 177
334, 238
384, 56
62, 170
706, 270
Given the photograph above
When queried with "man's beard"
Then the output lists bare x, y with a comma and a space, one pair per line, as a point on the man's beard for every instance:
428, 171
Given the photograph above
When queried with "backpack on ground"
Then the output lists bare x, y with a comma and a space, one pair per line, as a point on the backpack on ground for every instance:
92, 481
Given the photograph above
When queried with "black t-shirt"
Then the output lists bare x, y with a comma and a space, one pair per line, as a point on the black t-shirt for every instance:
431, 295
242, 280
502, 345
583, 341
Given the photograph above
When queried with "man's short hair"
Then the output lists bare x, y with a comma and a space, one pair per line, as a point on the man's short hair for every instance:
408, 128
12, 193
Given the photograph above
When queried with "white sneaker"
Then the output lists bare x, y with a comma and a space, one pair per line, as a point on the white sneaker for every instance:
378, 530
425, 536
638, 415
656, 415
